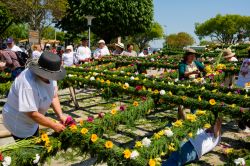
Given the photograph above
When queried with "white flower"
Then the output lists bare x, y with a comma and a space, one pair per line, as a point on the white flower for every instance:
70, 75
95, 74
134, 154
6, 161
126, 84
152, 59
92, 78
36, 159
168, 133
80, 67
240, 161
146, 142
132, 78
122, 72
176, 80
162, 92
136, 73
86, 63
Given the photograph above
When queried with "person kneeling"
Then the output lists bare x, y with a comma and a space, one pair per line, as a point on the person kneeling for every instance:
205, 141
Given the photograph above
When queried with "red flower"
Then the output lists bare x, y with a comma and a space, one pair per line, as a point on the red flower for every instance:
144, 98
101, 115
122, 108
138, 87
1, 157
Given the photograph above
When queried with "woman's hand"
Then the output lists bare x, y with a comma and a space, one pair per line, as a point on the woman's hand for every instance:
57, 127
62, 118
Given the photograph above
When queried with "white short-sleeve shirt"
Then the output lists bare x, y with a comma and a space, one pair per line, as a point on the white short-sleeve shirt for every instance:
204, 142
83, 53
15, 49
68, 59
101, 52
27, 94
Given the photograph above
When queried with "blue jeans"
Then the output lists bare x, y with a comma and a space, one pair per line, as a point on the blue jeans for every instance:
186, 154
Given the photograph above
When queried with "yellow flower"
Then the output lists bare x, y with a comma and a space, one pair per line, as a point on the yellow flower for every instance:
212, 101
113, 112
229, 93
161, 133
108, 82
233, 105
135, 104
127, 153
170, 93
84, 131
114, 105
229, 150
44, 137
149, 89
81, 122
47, 143
200, 112
191, 117
94, 137
138, 144
156, 92
190, 135
109, 145
207, 126
128, 73
214, 91
125, 86
199, 98
73, 128
152, 162
49, 149
102, 81
39, 140
171, 147
136, 78
157, 136
177, 123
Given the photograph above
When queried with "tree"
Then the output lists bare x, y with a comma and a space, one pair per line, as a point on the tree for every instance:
179, 40
225, 29
142, 39
6, 19
113, 17
36, 13
17, 31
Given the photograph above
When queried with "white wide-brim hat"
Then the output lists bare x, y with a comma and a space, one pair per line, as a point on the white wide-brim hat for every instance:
101, 41
121, 45
227, 53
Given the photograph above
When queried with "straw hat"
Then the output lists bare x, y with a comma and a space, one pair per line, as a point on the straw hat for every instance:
121, 45
227, 53
190, 50
101, 41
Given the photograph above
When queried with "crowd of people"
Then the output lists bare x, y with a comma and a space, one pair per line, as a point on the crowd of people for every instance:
35, 90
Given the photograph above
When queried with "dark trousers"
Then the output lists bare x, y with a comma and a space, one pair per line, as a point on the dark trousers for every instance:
34, 135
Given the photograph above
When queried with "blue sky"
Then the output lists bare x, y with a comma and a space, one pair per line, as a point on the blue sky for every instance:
181, 15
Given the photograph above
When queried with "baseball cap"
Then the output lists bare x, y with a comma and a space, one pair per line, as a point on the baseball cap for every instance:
9, 40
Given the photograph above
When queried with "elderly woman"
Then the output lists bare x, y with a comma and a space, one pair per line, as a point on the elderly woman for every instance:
30, 97
102, 50
189, 68
68, 56
130, 51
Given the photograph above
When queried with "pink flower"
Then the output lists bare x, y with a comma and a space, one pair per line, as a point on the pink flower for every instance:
90, 119
138, 88
144, 98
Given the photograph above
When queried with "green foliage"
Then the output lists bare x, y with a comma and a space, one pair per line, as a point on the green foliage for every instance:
225, 29
17, 31
49, 33
113, 18
5, 18
142, 39
179, 40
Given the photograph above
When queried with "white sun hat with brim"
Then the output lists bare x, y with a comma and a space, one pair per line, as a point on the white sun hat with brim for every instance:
227, 53
121, 45
101, 41
69, 47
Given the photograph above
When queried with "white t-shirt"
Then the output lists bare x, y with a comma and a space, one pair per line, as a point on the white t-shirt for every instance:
204, 142
68, 59
133, 53
83, 53
36, 54
14, 48
142, 55
101, 52
27, 94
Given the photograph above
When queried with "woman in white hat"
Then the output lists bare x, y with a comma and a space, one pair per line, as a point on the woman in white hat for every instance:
244, 75
68, 56
31, 95
102, 50
230, 57
119, 49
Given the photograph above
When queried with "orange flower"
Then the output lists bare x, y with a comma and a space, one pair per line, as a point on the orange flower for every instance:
212, 101
94, 137
152, 162
73, 128
113, 112
109, 145
127, 153
135, 104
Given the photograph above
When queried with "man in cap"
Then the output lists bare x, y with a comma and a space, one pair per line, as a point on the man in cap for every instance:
119, 49
83, 52
144, 53
11, 46
102, 50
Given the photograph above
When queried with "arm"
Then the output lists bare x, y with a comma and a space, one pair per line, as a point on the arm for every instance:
42, 120
57, 108
217, 127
